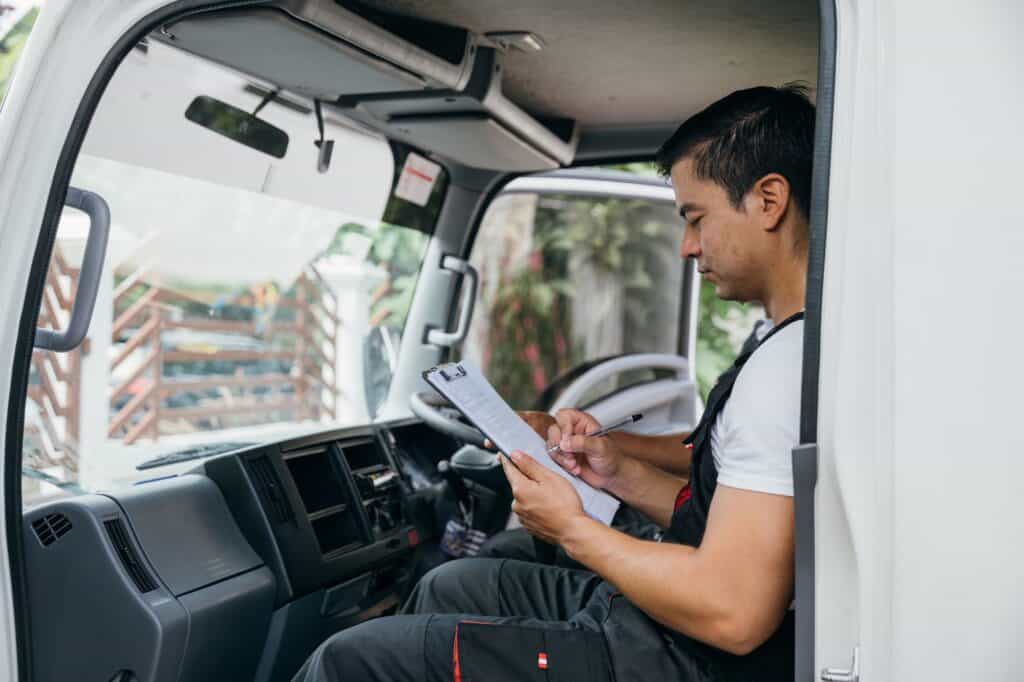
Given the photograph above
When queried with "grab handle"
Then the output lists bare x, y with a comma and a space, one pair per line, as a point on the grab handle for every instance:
438, 337
96, 208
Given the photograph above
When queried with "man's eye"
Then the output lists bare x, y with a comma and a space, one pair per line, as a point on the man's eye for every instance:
696, 221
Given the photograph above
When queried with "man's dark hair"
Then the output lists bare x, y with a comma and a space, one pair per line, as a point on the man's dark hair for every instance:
746, 135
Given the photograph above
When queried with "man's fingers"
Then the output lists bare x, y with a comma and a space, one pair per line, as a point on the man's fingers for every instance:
528, 466
589, 444
566, 420
554, 435
567, 461
572, 421
570, 443
514, 476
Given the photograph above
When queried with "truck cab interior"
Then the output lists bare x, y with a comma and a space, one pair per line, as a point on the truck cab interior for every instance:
280, 214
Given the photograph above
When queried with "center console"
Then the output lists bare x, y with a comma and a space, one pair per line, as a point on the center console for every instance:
320, 510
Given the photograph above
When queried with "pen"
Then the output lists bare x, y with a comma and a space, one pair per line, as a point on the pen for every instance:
605, 430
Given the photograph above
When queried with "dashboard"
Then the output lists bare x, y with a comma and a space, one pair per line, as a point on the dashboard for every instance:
258, 555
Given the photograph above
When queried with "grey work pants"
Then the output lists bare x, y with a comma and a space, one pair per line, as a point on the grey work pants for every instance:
501, 621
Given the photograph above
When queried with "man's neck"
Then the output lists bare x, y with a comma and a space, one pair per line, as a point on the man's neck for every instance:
786, 292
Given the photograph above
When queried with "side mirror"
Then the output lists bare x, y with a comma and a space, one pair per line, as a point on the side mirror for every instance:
96, 208
238, 125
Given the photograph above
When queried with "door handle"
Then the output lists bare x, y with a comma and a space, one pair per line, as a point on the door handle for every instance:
437, 337
838, 675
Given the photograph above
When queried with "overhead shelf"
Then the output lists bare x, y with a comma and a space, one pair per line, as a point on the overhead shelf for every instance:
320, 50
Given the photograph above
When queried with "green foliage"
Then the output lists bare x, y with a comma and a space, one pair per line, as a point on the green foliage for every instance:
529, 337
526, 344
638, 167
396, 249
11, 46
721, 327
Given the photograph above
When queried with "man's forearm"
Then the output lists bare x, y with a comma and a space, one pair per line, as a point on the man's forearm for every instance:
730, 592
648, 489
664, 580
665, 452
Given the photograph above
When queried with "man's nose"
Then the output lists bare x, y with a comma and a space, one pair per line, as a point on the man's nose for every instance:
690, 246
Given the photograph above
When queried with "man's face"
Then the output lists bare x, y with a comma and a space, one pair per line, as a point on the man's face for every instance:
722, 240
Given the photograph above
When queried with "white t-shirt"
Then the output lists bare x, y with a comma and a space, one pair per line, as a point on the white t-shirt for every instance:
753, 438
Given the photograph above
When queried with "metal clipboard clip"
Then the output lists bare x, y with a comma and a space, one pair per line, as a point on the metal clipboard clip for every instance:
452, 372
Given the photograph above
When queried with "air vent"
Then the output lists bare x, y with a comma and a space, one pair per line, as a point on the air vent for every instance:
268, 485
119, 537
50, 528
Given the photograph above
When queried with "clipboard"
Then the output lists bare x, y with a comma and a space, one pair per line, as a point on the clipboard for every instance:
468, 390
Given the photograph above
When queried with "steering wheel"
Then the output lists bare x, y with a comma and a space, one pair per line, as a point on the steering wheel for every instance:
439, 414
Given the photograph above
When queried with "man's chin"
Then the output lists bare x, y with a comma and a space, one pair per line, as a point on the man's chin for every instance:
722, 291
726, 293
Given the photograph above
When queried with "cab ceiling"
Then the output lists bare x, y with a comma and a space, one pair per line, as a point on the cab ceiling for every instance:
610, 63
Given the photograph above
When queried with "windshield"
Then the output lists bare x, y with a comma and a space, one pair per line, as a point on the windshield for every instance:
245, 296
17, 17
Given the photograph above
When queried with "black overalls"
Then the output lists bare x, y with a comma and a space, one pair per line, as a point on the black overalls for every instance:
501, 620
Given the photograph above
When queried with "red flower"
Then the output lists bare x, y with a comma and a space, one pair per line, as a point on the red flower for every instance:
559, 344
536, 261
540, 380
532, 353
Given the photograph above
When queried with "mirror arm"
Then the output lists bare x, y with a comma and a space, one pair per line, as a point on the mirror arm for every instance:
326, 147
267, 99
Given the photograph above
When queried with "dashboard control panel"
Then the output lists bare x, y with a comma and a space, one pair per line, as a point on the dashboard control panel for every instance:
319, 509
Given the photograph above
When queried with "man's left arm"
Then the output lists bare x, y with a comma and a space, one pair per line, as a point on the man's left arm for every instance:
731, 592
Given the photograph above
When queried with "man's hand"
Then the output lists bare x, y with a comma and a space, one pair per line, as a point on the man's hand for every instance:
596, 460
546, 503
541, 422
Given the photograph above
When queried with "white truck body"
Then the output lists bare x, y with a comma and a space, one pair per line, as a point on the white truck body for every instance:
917, 509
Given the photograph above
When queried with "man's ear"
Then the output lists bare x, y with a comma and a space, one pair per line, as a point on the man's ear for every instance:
768, 201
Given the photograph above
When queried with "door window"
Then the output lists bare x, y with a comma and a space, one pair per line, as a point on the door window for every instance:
567, 280
722, 327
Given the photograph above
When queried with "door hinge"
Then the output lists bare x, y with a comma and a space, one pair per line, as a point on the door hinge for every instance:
839, 675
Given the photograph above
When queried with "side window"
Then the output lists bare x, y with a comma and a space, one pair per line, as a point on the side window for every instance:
567, 280
16, 21
722, 327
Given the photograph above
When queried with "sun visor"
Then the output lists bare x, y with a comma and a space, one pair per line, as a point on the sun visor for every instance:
319, 49
297, 57
475, 140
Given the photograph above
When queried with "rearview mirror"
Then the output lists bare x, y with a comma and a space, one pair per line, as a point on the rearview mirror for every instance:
238, 125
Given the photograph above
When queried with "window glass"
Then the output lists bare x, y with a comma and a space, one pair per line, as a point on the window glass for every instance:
17, 17
243, 295
566, 280
722, 327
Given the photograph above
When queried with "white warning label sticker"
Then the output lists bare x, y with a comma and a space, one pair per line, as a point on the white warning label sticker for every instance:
417, 179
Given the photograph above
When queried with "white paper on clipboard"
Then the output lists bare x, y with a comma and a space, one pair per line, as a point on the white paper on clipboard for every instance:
468, 389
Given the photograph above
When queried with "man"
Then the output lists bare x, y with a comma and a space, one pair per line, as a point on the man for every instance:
711, 601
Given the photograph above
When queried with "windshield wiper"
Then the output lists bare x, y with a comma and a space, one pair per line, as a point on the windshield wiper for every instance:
194, 452
70, 486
